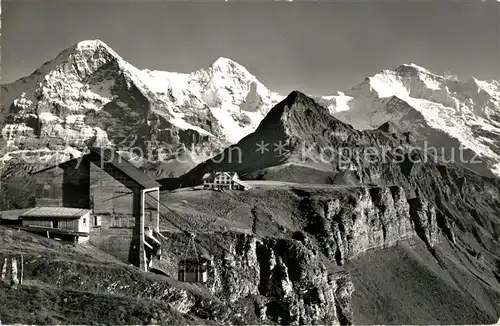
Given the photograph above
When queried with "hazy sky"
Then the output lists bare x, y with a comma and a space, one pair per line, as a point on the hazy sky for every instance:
317, 47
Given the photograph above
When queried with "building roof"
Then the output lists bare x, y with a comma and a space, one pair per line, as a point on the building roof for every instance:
12, 214
242, 183
55, 212
112, 157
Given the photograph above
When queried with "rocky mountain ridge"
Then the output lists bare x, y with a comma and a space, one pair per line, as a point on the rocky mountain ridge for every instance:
299, 134
443, 113
88, 93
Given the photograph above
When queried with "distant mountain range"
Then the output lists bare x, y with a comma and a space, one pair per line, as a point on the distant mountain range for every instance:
445, 112
89, 95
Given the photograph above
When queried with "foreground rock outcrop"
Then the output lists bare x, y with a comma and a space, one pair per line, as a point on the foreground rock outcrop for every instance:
282, 281
293, 285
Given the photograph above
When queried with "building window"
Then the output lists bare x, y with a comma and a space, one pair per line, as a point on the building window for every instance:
39, 190
57, 191
46, 191
116, 221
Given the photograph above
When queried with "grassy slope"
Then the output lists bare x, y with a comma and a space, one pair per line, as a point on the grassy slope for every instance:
301, 173
82, 285
271, 210
42, 304
403, 285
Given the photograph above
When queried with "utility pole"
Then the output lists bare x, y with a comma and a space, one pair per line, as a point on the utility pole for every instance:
2, 167
2, 191
13, 276
4, 270
22, 269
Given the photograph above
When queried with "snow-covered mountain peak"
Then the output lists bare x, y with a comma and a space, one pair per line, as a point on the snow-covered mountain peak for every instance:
412, 69
235, 96
441, 109
492, 88
82, 59
407, 80
70, 75
92, 44
225, 70
225, 64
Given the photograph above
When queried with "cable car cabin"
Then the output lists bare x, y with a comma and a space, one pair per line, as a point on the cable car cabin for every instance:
193, 270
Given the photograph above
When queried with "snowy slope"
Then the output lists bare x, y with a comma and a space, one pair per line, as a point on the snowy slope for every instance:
90, 93
235, 97
445, 112
230, 92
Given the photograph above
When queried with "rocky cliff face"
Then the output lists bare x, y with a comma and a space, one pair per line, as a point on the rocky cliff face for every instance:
423, 214
256, 281
277, 281
298, 278
379, 218
290, 283
372, 219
